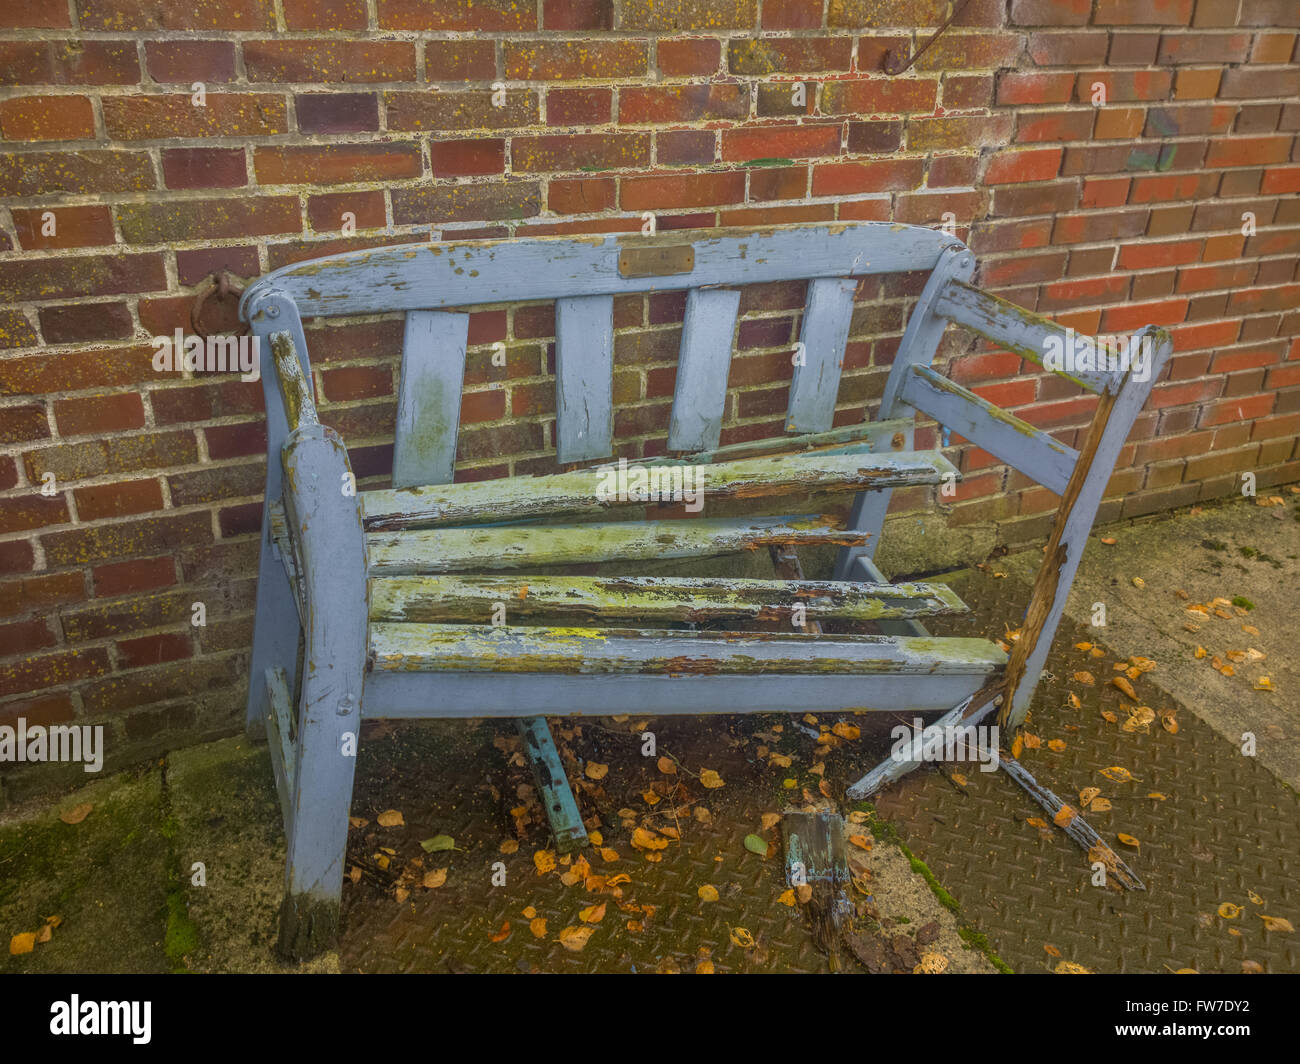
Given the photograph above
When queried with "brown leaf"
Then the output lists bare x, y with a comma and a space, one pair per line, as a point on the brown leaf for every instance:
1123, 684
770, 820
860, 841
1070, 968
1118, 774
390, 818
596, 771
1087, 795
538, 927
23, 943
510, 846
574, 938
1100, 805
742, 938
708, 892
1129, 840
711, 779
1064, 816
593, 914
1056, 745
1051, 950
76, 814
667, 766
1085, 677
847, 731
644, 839
434, 878
1275, 923
503, 934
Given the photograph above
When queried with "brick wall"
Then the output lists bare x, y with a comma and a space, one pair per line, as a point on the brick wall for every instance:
1106, 217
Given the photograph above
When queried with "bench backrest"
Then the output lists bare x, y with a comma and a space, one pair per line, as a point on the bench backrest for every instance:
583, 276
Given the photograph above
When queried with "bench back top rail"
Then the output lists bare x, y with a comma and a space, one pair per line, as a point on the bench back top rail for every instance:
583, 276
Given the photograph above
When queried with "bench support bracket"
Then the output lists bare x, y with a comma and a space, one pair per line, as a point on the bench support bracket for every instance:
552, 785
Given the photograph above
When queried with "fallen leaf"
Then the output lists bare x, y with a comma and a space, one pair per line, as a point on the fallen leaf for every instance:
860, 841
757, 844
1229, 911
1036, 822
770, 820
1064, 816
390, 818
1051, 950
1085, 677
847, 731
45, 933
1073, 699
1275, 923
1032, 741
574, 938
644, 839
1070, 968
538, 927
667, 766
931, 964
1168, 721
1157, 796
435, 878
1100, 805
23, 943
1129, 840
76, 814
1252, 968
595, 770
1118, 774
787, 898
401, 894
1110, 541
593, 914
1087, 795
1017, 745
1254, 898
711, 779
742, 938
446, 842
1139, 582
608, 854
707, 892
1263, 684
508, 846
1056, 745
1109, 717
1123, 684
501, 935
544, 860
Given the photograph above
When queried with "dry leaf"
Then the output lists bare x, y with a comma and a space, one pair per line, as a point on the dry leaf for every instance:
1123, 684
545, 861
1157, 796
860, 841
708, 892
1032, 741
1036, 822
1252, 968
1254, 898
644, 839
1110, 541
1129, 840
1017, 745
770, 820
1100, 805
1264, 684
1229, 911
435, 878
1109, 717
711, 779
608, 855
1275, 923
1138, 582
23, 943
390, 818
1118, 774
501, 935
76, 814
667, 766
596, 771
1073, 699
1064, 816
1051, 950
847, 731
401, 894
787, 898
742, 938
1087, 795
529, 912
1070, 968
1085, 677
538, 927
1168, 721
574, 938
593, 914
1056, 745
510, 846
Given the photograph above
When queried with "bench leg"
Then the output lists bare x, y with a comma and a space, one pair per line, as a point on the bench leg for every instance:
276, 632
552, 785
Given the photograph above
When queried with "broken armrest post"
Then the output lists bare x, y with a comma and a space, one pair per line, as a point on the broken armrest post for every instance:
299, 408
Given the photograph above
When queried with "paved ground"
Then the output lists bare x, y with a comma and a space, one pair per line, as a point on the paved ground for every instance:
177, 866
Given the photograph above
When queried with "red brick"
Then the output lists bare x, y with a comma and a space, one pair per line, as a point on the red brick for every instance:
959, 133
1150, 256
116, 412
1164, 189
337, 112
336, 163
154, 649
458, 15
34, 14
1119, 123
459, 60
1143, 13
204, 168
1070, 48
465, 158
971, 51
1122, 85
880, 96
325, 14
1031, 88
444, 111
688, 56
326, 212
474, 203
1273, 47
967, 92
154, 223
779, 142
661, 191
678, 15
1034, 127
185, 62
580, 195
792, 14
847, 179
1039, 164
74, 227
1135, 315
154, 15
80, 276
1197, 84
145, 574
685, 147
47, 118
172, 115
578, 14
758, 56
1050, 12
84, 172
533, 154
1022, 200
330, 61
1253, 83
682, 103
357, 382
118, 500
23, 637
86, 322
235, 441
553, 60
875, 137
579, 107
1248, 151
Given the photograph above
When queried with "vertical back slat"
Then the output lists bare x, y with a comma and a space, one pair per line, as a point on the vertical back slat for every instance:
824, 333
584, 378
701, 392
428, 399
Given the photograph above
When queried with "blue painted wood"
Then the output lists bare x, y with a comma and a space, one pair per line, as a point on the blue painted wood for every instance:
327, 526
428, 398
1073, 523
505, 694
432, 276
276, 624
700, 394
823, 335
584, 378
553, 785
1016, 442
279, 727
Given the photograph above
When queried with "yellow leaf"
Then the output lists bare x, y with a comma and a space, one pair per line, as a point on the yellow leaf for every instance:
1087, 795
608, 854
1100, 805
1051, 950
538, 927
24, 943
1017, 745
1168, 721
959, 779
1032, 741
596, 771
46, 933
931, 964
510, 846
1110, 541
704, 967
667, 766
1073, 699
529, 912
1109, 717
1064, 816
1056, 745
644, 839
1129, 840
1082, 646
390, 818
1157, 796
1229, 911
76, 814
1085, 677
1036, 822
1139, 582
770, 820
787, 898
1122, 683
357, 821
1255, 898
574, 938
435, 878
1070, 968
596, 838
742, 938
651, 797
711, 779
1200, 652
779, 760
860, 841
545, 861
708, 892
1118, 774
1263, 684
847, 731
501, 935
1275, 923
401, 894
592, 914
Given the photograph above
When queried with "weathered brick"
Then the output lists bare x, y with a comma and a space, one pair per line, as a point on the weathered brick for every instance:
1035, 127
120, 540
460, 60
325, 14
34, 14
73, 227
1253, 83
788, 55
70, 62
166, 117
337, 112
77, 172
47, 118
780, 142
688, 56
579, 107
449, 203
958, 132
558, 152
459, 110
1248, 151
155, 223
39, 672
336, 163
675, 16
85, 322
465, 158
186, 62
1068, 48
660, 191
367, 209
332, 61
1143, 12
458, 15
880, 95
564, 60
79, 276
204, 168
847, 179
1050, 12
118, 500
1035, 164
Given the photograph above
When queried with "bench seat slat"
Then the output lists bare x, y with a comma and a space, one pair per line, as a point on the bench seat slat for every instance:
481, 648
450, 550
438, 599
597, 489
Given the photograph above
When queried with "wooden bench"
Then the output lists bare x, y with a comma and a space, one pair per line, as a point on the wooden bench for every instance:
381, 603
